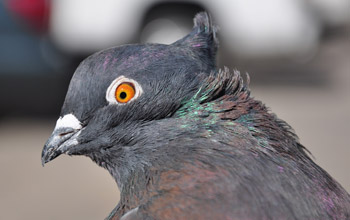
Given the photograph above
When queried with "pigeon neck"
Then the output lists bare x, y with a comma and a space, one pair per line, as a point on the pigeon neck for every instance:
120, 163
226, 101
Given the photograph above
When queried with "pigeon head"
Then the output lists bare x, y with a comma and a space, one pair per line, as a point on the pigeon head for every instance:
114, 91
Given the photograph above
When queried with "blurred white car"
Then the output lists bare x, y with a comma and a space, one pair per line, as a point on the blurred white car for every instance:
249, 29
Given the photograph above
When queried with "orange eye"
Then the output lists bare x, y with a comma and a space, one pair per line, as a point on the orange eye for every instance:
124, 92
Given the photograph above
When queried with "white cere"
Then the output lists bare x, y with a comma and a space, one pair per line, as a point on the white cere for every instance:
69, 121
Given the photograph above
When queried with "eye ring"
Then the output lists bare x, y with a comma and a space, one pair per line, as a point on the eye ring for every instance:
123, 90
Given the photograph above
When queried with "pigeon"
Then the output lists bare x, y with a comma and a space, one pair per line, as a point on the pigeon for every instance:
185, 140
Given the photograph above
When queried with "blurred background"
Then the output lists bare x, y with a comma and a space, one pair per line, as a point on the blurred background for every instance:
297, 53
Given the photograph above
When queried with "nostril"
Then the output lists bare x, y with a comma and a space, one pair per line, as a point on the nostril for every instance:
66, 132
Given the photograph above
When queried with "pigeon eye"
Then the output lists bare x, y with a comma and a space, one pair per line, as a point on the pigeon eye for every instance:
124, 92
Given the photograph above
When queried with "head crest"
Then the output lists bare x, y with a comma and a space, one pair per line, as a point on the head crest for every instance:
203, 37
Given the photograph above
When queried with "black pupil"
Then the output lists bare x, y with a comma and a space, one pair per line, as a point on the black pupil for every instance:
122, 95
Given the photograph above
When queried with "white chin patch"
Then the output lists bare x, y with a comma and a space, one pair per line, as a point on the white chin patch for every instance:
68, 120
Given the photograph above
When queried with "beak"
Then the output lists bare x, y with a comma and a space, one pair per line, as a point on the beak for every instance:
63, 138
